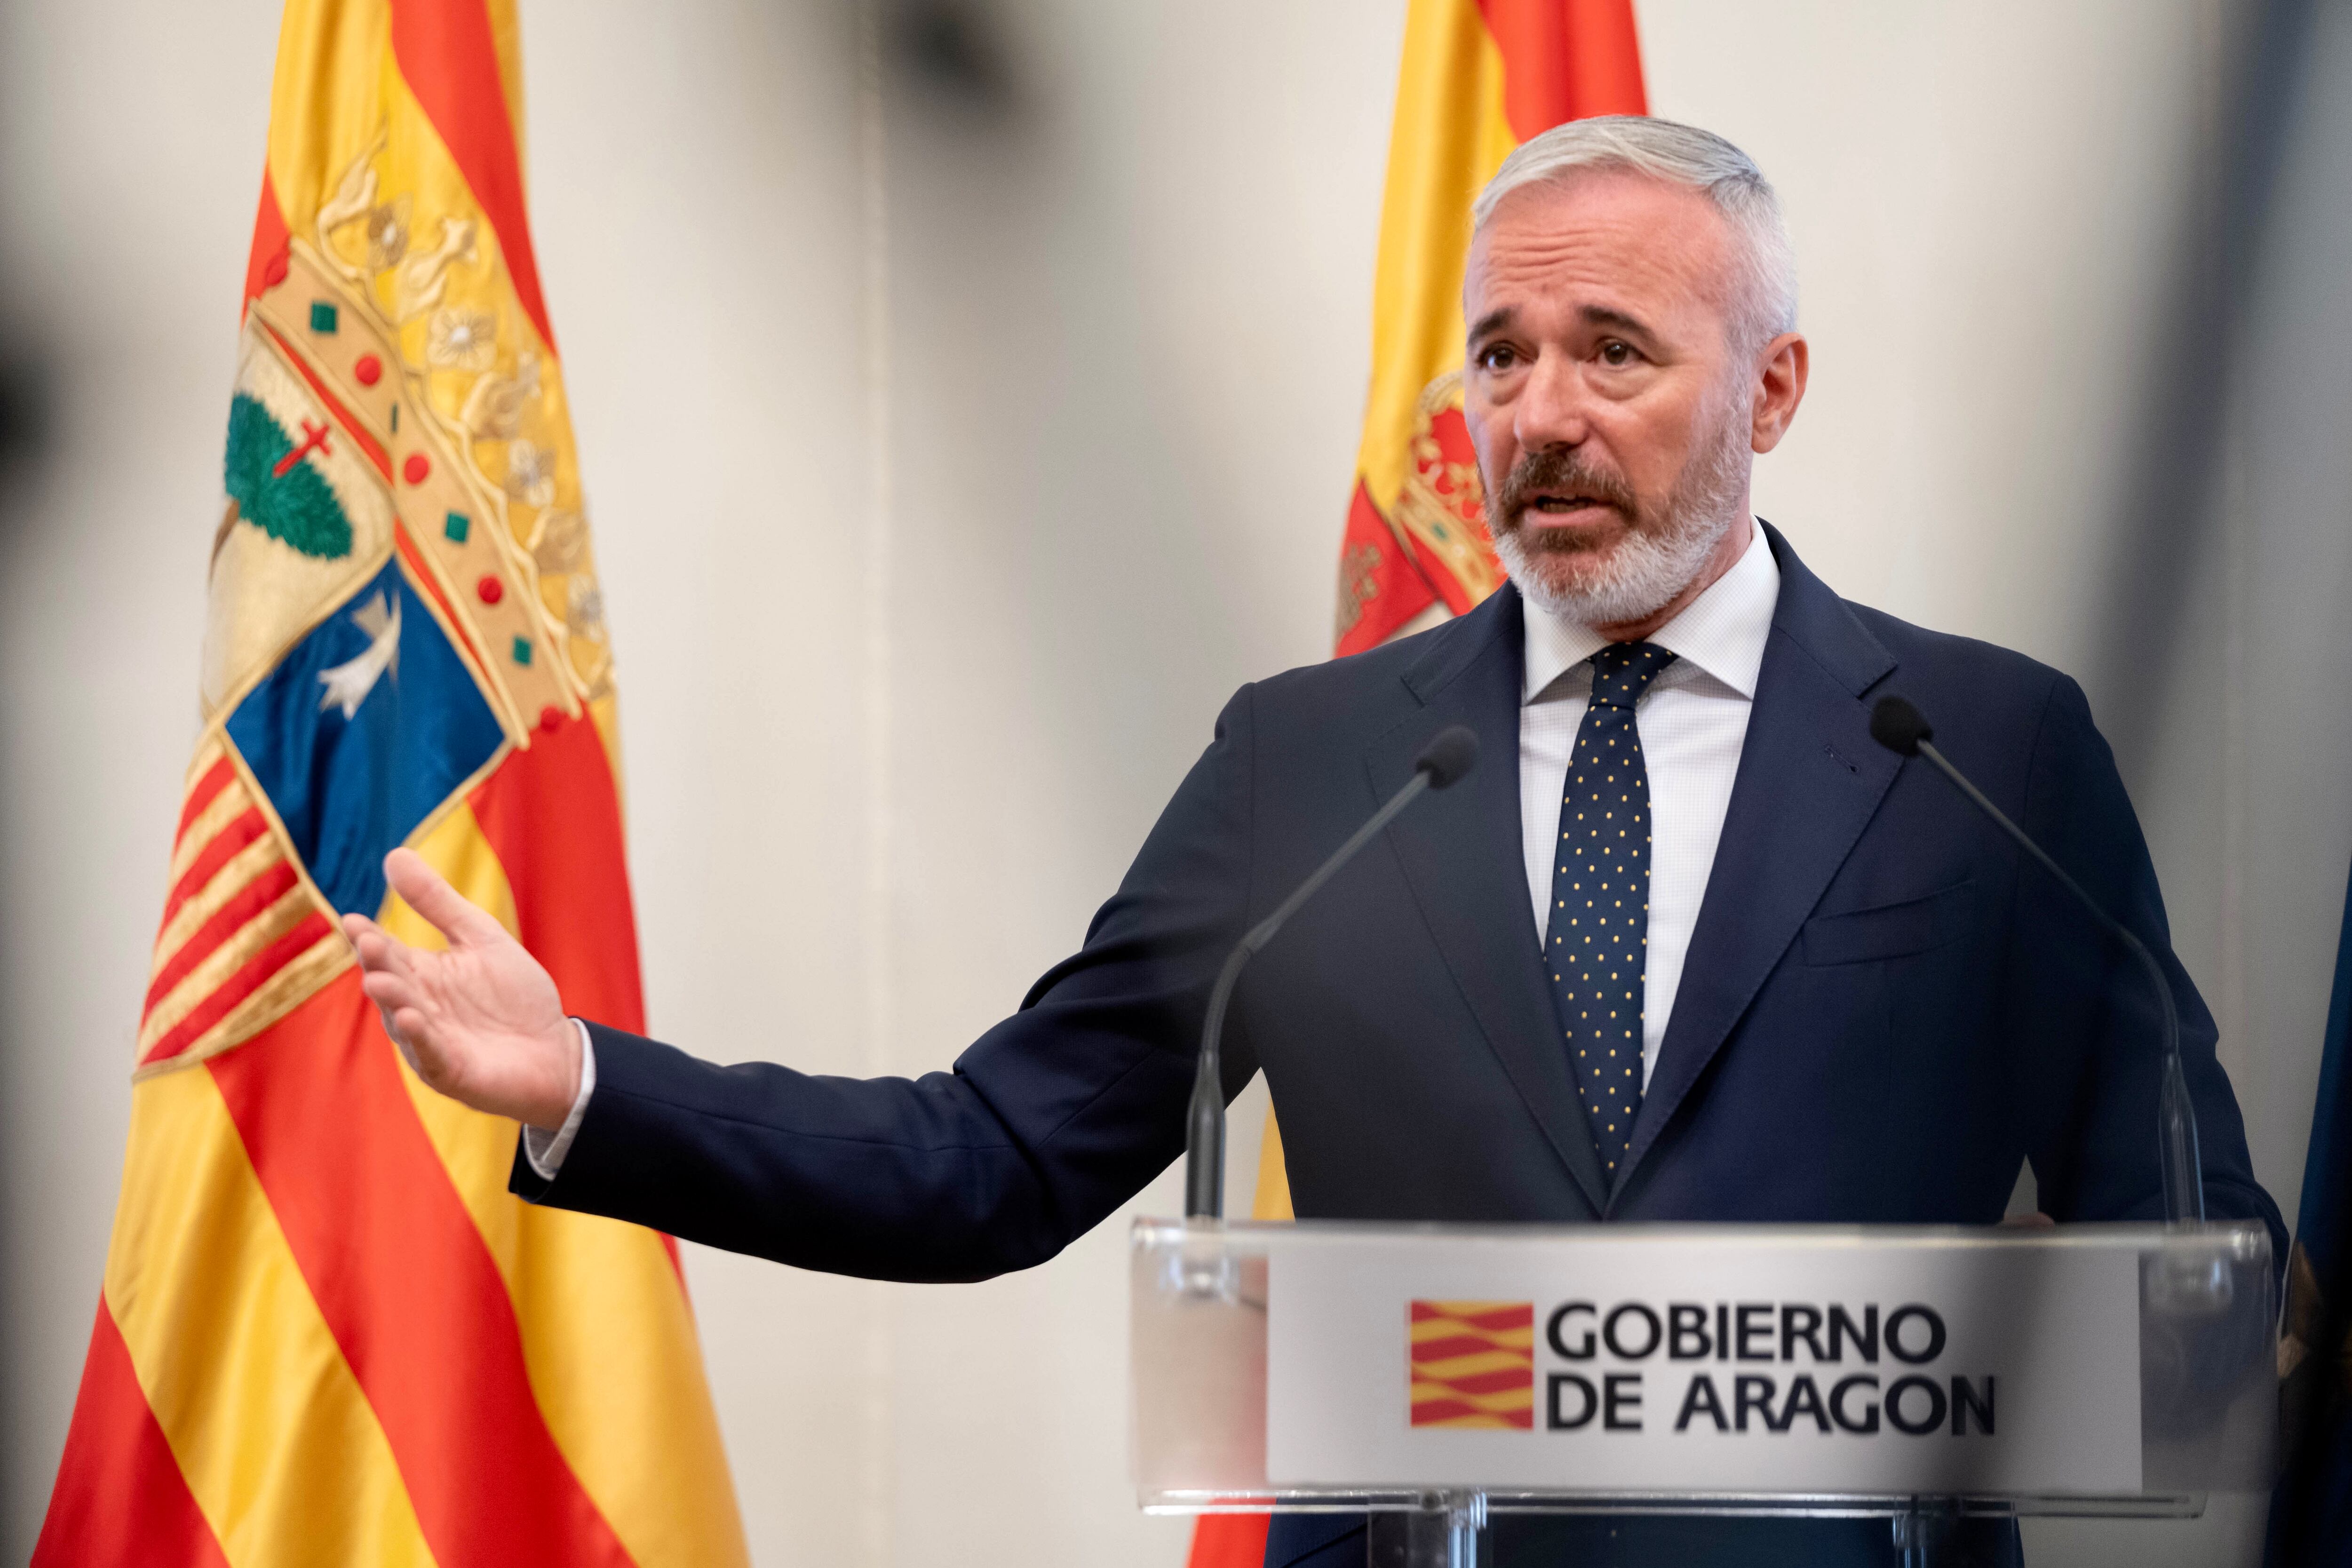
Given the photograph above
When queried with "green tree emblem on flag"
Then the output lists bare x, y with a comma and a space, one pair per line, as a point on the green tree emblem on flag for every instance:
274, 490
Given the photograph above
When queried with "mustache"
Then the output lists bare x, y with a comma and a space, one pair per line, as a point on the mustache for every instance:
1556, 470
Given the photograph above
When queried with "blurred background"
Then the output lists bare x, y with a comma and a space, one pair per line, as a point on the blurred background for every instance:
968, 394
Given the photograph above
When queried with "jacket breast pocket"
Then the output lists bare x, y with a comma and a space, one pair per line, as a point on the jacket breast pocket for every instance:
1889, 930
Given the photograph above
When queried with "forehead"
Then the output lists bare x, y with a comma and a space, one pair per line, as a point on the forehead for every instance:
1608, 239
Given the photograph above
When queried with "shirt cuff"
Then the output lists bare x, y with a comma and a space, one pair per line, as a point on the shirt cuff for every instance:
545, 1150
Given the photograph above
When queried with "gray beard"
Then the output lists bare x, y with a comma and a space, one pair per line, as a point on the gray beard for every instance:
1646, 568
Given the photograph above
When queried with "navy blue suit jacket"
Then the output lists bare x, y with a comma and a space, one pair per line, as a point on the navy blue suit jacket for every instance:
1883, 1006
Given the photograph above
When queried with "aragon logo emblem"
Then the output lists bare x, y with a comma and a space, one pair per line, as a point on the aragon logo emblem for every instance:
1472, 1364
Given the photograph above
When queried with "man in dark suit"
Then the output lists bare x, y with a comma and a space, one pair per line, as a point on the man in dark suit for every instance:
1706, 953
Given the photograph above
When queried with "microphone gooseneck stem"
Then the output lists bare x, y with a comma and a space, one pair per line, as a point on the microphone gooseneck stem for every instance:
1204, 1140
2175, 1126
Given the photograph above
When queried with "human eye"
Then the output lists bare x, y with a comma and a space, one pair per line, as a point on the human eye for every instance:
1497, 357
1617, 353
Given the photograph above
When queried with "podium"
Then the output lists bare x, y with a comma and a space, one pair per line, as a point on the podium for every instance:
1436, 1375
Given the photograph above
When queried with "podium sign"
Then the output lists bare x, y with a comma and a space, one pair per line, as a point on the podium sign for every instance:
2106, 1369
1794, 1365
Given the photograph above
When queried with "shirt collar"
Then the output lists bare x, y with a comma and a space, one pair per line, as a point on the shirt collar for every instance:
1721, 633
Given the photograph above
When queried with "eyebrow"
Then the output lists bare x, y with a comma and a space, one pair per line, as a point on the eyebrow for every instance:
1494, 321
1601, 316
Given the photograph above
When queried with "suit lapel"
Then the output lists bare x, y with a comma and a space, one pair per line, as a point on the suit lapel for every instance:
1462, 854
1810, 780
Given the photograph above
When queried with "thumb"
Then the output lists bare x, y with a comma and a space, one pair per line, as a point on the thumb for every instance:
430, 895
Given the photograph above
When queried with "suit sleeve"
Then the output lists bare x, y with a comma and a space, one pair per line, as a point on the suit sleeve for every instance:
2088, 1057
1047, 1124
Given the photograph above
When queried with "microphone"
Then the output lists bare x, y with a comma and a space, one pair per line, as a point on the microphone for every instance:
1902, 729
1443, 762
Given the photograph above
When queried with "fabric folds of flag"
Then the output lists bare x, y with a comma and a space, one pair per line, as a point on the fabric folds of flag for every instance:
327, 1332
2311, 1511
1478, 77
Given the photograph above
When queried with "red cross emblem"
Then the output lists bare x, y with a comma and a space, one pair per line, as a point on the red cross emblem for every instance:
314, 435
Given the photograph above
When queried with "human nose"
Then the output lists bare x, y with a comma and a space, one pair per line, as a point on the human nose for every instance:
1553, 407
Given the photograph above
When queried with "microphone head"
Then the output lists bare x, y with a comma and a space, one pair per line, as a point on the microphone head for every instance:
1445, 759
1899, 727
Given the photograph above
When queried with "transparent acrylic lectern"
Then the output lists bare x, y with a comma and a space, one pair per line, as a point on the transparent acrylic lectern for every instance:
1435, 1375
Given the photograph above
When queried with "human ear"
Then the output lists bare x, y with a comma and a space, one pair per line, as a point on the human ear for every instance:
1780, 387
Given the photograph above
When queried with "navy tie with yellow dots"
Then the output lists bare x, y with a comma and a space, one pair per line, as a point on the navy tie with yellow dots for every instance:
1598, 946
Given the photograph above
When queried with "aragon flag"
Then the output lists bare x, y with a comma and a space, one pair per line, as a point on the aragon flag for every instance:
327, 1332
1479, 77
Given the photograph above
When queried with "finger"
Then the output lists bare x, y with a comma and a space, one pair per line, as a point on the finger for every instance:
381, 952
386, 989
430, 895
391, 987
408, 1024
392, 1032
431, 1063
410, 1027
369, 941
359, 928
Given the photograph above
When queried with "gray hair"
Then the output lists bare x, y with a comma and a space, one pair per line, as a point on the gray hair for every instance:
1681, 155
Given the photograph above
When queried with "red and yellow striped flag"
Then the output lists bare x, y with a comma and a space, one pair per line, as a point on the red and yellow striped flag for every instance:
1479, 77
328, 1334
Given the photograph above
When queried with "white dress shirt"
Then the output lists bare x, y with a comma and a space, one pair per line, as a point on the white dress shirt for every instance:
545, 1150
1693, 720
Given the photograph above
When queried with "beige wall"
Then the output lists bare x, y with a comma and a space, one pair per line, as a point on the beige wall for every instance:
936, 531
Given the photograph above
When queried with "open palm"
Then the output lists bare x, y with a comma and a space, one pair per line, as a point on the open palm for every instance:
480, 1023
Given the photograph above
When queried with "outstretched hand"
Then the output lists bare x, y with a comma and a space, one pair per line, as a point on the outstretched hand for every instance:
480, 1023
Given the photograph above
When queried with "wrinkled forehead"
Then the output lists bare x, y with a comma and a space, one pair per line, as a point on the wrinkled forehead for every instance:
1608, 240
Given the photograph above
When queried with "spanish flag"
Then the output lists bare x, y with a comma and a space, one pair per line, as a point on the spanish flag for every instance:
328, 1334
1479, 77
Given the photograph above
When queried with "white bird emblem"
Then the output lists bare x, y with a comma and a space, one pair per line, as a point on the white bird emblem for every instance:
347, 684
